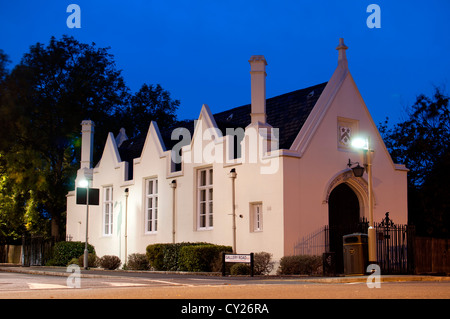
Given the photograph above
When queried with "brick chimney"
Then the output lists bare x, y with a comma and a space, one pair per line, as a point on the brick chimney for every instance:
87, 143
258, 88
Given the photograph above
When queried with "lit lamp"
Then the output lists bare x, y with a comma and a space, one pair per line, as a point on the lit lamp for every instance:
358, 171
84, 183
364, 144
89, 196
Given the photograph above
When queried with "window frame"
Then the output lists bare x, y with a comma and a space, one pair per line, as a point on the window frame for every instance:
205, 199
256, 217
108, 211
151, 213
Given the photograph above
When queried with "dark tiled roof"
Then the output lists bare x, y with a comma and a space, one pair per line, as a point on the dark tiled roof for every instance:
288, 112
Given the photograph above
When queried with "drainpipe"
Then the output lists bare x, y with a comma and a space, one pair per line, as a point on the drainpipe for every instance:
173, 184
233, 175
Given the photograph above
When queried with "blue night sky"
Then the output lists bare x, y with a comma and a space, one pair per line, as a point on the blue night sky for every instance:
199, 50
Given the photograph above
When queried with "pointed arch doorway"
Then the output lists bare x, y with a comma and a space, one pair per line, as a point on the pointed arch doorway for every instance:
343, 219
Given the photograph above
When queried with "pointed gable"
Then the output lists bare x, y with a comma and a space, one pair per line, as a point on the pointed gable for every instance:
110, 152
288, 112
111, 158
134, 148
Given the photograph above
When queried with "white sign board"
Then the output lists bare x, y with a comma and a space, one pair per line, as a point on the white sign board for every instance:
237, 258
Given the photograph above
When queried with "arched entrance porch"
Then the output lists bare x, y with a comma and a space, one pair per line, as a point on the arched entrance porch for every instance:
343, 219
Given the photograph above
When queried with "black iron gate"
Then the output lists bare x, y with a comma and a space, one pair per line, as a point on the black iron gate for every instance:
36, 250
395, 247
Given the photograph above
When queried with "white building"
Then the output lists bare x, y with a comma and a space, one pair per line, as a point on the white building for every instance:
291, 176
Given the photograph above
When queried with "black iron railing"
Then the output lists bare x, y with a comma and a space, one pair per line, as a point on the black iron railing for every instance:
394, 245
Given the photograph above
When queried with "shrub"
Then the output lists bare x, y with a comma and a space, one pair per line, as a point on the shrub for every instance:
200, 257
165, 257
300, 265
240, 269
263, 263
155, 255
64, 251
171, 255
138, 262
92, 260
73, 261
110, 262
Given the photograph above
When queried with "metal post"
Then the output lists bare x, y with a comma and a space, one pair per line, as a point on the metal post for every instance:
86, 266
223, 264
371, 231
252, 264
233, 177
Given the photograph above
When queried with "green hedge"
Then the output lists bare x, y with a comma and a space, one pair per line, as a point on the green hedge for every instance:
300, 265
155, 255
137, 261
240, 269
201, 257
165, 256
181, 256
64, 251
92, 261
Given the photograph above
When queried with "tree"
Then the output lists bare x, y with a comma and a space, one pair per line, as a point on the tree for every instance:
43, 100
422, 143
4, 61
150, 103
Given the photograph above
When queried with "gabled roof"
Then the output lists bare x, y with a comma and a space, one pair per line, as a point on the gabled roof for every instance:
287, 112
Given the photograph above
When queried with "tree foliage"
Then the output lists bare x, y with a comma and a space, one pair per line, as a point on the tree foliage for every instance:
4, 61
150, 103
422, 143
42, 103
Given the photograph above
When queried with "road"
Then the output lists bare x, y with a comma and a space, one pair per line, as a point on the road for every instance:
181, 296
171, 286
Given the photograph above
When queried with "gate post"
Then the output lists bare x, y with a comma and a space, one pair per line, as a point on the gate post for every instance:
25, 251
223, 264
252, 263
410, 248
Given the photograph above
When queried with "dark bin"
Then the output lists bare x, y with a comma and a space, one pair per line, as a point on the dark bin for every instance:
355, 254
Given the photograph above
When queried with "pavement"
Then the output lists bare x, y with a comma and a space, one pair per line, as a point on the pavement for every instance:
102, 273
